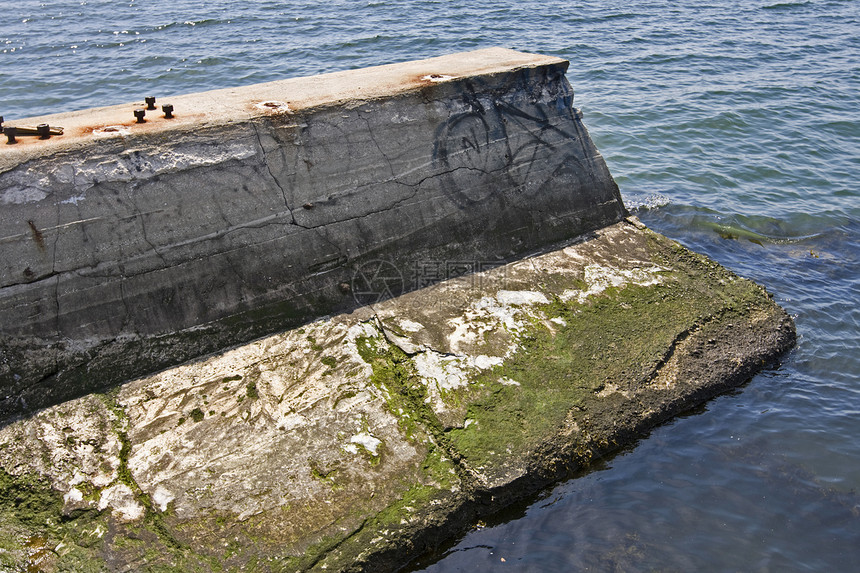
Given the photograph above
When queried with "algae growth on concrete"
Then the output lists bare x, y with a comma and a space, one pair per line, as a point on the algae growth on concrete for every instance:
358, 441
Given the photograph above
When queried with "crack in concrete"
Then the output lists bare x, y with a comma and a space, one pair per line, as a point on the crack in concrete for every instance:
277, 183
123, 298
124, 475
57, 324
376, 143
471, 483
139, 215
283, 191
274, 219
438, 434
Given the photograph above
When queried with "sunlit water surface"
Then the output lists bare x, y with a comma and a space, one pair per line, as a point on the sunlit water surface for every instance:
730, 126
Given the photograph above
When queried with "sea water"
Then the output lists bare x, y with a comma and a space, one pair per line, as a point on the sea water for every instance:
733, 127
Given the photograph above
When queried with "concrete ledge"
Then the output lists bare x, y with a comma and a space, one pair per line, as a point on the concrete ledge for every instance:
357, 442
249, 103
131, 247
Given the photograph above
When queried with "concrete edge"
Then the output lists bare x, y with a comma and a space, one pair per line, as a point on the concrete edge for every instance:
280, 98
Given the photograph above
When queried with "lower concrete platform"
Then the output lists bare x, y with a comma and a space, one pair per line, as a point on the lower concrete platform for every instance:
359, 441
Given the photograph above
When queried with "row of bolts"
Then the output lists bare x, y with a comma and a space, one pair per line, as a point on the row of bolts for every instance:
43, 130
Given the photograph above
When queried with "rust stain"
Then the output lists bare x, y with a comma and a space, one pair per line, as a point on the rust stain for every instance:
128, 126
271, 107
429, 79
37, 236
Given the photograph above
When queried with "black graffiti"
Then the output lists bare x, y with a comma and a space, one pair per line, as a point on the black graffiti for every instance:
522, 136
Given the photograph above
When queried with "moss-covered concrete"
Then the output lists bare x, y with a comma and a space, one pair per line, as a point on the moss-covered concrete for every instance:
359, 441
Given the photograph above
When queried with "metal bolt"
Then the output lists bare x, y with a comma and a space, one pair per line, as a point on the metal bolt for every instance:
139, 113
168, 110
44, 131
1, 124
150, 102
10, 133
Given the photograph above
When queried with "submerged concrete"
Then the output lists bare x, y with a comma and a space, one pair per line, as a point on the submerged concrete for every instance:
127, 247
359, 441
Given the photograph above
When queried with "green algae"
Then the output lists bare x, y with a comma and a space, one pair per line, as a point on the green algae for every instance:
157, 544
438, 476
34, 529
311, 556
315, 346
393, 526
28, 500
153, 520
619, 337
394, 373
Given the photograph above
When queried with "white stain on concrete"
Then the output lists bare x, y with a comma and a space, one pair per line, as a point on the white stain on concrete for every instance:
601, 277
72, 200
483, 362
273, 106
367, 441
410, 325
120, 499
74, 495
436, 78
521, 297
447, 372
112, 131
162, 497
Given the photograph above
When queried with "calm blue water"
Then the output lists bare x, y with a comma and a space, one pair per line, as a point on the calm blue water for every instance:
733, 127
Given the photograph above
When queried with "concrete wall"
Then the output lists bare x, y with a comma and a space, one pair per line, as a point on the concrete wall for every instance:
127, 247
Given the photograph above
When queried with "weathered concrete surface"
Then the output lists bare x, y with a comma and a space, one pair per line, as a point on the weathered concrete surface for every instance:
128, 247
360, 440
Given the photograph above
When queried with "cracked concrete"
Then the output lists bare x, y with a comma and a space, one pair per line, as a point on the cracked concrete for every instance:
224, 227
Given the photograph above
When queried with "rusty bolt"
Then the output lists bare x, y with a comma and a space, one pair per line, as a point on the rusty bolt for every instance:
139, 113
168, 110
44, 131
150, 102
10, 133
